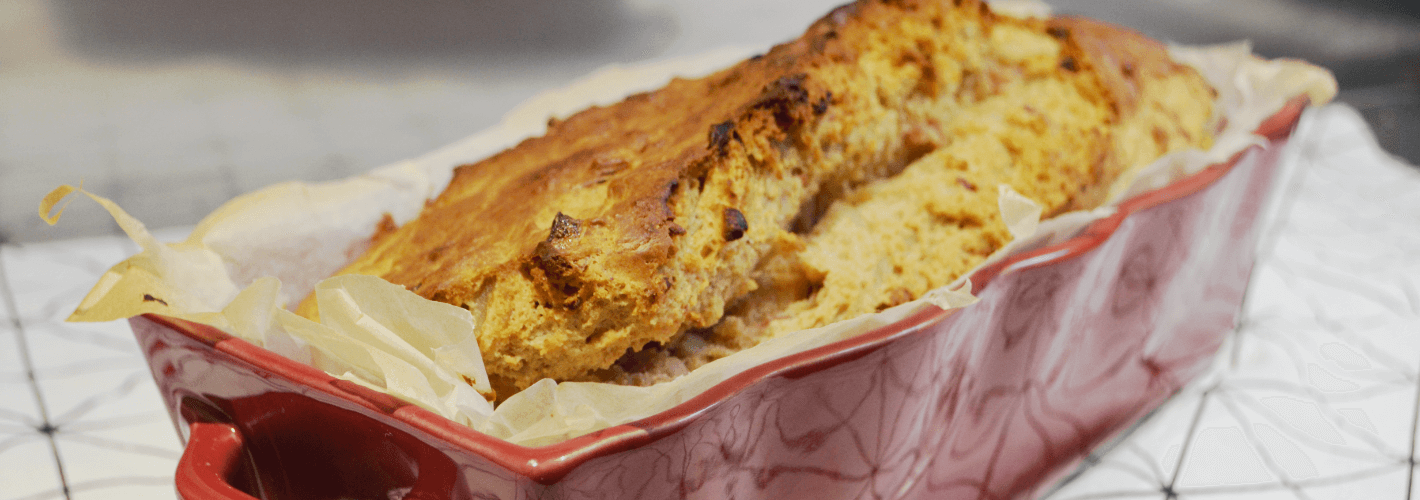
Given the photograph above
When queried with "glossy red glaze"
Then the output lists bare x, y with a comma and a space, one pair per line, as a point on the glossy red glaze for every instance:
1068, 345
211, 460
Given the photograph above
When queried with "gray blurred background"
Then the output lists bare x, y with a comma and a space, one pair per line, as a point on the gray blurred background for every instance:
171, 107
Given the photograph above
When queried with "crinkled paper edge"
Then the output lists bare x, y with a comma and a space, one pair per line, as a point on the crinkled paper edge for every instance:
235, 274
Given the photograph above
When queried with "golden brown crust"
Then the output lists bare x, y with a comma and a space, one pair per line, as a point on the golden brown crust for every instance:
1061, 141
626, 226
1146, 88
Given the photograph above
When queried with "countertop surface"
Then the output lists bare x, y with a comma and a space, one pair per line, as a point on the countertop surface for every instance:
171, 109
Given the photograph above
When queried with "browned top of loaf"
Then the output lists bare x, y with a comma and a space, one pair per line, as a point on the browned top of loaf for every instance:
1090, 102
630, 223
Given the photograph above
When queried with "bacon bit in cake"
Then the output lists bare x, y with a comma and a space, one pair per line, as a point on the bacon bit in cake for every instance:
966, 184
784, 91
1069, 64
557, 275
781, 96
735, 224
150, 298
564, 227
821, 105
720, 134
676, 230
1058, 32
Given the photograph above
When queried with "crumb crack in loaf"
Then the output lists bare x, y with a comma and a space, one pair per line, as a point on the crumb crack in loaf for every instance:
847, 171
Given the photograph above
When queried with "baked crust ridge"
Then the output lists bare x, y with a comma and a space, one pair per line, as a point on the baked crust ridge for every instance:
619, 241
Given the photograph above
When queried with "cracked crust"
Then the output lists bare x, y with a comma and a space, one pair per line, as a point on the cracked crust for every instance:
604, 248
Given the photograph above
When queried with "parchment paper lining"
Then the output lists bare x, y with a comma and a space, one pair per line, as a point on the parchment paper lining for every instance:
262, 251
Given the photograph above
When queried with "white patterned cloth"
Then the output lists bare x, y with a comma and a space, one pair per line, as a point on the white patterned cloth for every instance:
1315, 395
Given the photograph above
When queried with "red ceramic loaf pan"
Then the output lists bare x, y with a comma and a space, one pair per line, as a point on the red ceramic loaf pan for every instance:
1068, 345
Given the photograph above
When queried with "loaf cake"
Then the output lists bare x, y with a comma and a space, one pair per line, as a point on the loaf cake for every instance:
839, 174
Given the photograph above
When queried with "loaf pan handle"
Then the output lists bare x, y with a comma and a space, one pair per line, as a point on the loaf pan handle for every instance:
214, 451
214, 458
